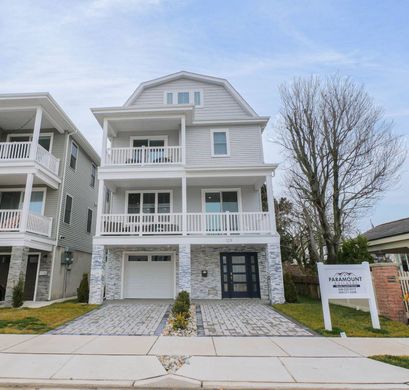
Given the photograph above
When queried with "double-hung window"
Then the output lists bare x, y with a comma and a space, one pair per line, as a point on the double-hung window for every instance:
194, 97
220, 143
68, 209
89, 220
93, 175
74, 155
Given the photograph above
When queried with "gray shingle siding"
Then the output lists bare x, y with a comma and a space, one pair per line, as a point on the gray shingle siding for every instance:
77, 184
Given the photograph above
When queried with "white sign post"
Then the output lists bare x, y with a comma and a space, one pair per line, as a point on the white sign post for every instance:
346, 281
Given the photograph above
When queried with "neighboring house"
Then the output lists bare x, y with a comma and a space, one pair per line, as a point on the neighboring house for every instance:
48, 193
179, 205
390, 241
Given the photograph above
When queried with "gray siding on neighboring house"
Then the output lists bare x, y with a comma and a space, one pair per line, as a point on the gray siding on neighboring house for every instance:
218, 102
77, 184
245, 146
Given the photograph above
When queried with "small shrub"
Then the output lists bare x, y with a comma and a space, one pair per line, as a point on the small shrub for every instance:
83, 290
180, 307
290, 293
180, 322
183, 296
18, 293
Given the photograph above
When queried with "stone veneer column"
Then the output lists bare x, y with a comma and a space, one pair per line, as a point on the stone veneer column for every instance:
96, 280
275, 273
113, 274
17, 269
184, 269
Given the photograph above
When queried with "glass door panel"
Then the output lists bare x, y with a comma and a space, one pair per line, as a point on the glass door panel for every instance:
148, 206
163, 202
36, 202
10, 200
134, 203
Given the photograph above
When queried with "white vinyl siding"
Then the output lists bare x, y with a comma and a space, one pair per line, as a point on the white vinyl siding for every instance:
217, 102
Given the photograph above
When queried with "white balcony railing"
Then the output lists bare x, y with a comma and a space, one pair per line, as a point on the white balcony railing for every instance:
166, 155
21, 151
196, 223
10, 221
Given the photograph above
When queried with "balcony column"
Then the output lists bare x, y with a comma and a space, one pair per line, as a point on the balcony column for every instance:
270, 202
26, 202
184, 206
100, 206
184, 268
104, 142
36, 133
183, 138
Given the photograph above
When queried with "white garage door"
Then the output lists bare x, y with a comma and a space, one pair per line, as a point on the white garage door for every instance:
149, 276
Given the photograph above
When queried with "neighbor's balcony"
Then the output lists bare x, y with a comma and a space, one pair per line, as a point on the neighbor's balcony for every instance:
142, 156
10, 221
21, 151
227, 223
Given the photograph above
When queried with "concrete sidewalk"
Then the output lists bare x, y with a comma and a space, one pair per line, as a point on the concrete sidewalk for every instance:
211, 362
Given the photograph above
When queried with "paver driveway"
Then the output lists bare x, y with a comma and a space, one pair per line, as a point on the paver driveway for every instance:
128, 317
250, 317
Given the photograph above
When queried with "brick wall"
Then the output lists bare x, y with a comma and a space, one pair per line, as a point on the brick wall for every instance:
388, 291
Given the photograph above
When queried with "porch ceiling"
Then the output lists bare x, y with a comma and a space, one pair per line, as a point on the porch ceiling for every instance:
145, 124
21, 120
18, 180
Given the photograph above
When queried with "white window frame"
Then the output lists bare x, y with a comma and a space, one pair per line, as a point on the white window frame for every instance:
21, 190
191, 92
65, 207
163, 138
223, 189
78, 156
226, 131
92, 219
30, 135
149, 254
156, 192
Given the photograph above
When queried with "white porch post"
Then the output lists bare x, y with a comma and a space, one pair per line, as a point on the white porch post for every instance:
36, 132
100, 206
270, 202
104, 142
26, 203
183, 138
184, 206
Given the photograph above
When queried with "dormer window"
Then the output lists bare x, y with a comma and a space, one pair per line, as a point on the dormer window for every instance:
194, 97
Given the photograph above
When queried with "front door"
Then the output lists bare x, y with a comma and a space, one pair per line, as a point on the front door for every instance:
31, 277
240, 275
4, 271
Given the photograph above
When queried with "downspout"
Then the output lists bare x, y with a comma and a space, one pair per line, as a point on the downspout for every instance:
57, 232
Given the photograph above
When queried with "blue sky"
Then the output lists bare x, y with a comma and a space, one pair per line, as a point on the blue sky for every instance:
95, 53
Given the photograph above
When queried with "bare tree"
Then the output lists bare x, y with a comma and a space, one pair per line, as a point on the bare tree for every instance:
342, 153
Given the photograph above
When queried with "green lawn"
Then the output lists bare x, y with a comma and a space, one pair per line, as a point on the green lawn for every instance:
344, 319
401, 361
41, 320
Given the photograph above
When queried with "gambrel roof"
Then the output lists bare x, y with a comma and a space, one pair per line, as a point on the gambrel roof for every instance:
196, 77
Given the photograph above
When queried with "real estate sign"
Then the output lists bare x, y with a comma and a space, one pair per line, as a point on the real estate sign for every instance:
346, 281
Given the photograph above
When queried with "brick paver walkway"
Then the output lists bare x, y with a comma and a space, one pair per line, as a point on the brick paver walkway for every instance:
119, 318
246, 318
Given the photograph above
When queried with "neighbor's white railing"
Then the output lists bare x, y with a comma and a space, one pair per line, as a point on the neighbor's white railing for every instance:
196, 223
141, 224
10, 220
12, 151
46, 159
15, 151
404, 284
39, 224
164, 155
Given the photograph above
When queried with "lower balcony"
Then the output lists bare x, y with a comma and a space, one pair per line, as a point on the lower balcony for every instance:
207, 224
11, 221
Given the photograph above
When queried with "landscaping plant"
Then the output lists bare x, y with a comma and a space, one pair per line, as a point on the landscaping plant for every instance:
18, 293
181, 311
180, 321
290, 292
83, 290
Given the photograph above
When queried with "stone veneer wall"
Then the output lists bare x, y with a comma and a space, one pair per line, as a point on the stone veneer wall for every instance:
208, 258
17, 269
275, 273
97, 277
43, 283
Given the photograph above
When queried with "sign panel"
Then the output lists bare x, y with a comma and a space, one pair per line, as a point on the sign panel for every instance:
346, 281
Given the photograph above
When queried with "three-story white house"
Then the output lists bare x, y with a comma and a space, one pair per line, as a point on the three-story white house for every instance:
179, 205
48, 194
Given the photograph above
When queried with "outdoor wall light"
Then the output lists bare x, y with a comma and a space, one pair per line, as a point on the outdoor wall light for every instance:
204, 273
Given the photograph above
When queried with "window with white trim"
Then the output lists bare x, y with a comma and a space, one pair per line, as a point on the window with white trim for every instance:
89, 220
149, 202
74, 155
68, 209
93, 175
220, 143
194, 97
